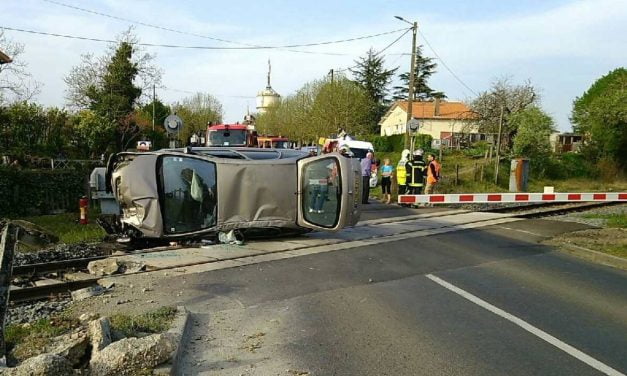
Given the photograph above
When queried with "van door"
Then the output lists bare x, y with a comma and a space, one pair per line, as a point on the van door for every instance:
328, 192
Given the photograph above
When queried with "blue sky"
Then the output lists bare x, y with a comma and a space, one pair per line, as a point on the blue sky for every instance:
560, 46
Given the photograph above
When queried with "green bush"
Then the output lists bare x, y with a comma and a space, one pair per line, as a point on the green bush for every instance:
564, 166
477, 149
33, 192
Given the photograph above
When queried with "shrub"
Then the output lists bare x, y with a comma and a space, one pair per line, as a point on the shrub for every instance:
26, 192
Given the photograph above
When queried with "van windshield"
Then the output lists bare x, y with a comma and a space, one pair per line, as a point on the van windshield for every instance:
227, 138
359, 153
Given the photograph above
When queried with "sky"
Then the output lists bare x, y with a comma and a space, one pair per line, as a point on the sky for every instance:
560, 46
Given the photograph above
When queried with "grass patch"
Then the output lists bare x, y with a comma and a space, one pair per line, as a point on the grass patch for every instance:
25, 341
151, 322
616, 220
616, 250
577, 185
67, 228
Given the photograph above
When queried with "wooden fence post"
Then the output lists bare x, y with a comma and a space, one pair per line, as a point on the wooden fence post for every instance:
456, 174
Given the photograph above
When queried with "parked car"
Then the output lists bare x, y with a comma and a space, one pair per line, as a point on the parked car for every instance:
200, 191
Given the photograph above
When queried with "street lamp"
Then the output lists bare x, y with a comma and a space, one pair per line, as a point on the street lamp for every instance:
412, 70
402, 19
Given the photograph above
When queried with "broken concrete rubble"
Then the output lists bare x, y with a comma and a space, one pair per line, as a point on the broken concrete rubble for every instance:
77, 276
130, 355
42, 365
87, 292
103, 267
71, 346
100, 333
128, 267
33, 237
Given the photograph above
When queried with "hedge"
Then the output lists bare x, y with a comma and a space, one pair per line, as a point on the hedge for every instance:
396, 143
34, 192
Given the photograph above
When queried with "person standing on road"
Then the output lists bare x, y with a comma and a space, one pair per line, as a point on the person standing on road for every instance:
386, 181
366, 169
433, 174
415, 169
401, 174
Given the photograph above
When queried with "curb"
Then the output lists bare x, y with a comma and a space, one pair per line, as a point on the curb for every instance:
180, 328
594, 256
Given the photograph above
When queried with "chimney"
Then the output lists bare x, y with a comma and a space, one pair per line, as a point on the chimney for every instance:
436, 107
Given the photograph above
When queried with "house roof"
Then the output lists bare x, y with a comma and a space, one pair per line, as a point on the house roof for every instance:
448, 110
4, 59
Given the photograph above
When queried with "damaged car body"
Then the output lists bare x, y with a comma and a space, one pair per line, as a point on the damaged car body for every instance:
200, 192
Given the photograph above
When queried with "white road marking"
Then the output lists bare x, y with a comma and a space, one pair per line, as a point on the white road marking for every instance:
523, 231
530, 328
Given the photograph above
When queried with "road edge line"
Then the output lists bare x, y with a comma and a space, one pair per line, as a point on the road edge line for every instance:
570, 350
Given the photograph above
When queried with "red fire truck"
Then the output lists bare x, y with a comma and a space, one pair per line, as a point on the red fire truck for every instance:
231, 135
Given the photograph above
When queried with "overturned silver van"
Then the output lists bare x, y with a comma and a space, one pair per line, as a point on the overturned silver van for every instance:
197, 192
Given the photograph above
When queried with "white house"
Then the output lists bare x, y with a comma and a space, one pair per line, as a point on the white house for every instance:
444, 121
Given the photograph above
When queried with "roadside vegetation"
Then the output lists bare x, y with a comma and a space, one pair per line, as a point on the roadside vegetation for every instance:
26, 340
31, 339
155, 321
67, 228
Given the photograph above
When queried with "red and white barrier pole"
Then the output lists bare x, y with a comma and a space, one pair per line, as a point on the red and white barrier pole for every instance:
482, 198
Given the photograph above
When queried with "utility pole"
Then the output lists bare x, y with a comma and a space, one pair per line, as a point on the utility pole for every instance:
410, 91
498, 149
331, 74
153, 106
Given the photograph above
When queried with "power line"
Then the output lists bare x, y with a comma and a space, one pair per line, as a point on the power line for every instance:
144, 24
195, 47
382, 50
445, 65
221, 39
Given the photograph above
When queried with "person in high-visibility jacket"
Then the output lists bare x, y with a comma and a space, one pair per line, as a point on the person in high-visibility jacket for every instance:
401, 174
433, 174
415, 170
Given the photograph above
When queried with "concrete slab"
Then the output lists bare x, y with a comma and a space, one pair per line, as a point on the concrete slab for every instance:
169, 259
272, 246
228, 251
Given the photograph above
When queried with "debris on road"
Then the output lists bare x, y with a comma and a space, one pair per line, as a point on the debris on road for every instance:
88, 292
231, 237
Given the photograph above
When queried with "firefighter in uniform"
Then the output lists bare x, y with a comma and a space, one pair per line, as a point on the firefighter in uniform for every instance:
415, 170
401, 174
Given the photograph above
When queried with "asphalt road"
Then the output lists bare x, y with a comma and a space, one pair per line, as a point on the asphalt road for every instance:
378, 310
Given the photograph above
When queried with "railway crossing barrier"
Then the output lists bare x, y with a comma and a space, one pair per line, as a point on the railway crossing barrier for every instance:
482, 198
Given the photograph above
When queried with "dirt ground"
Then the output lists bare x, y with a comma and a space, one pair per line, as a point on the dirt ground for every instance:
608, 240
611, 240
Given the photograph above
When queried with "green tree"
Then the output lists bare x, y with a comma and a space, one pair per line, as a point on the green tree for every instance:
534, 129
319, 109
370, 73
425, 68
93, 133
28, 128
342, 104
196, 112
506, 98
112, 85
600, 114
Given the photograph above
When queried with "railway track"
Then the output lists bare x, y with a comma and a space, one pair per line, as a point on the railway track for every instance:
18, 295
